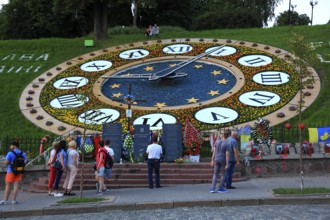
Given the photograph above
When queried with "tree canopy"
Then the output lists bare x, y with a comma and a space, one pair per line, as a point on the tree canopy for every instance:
295, 19
74, 18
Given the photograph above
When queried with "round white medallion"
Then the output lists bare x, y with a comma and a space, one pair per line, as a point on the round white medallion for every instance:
134, 54
216, 115
155, 121
271, 78
96, 66
177, 49
99, 116
259, 98
73, 82
255, 60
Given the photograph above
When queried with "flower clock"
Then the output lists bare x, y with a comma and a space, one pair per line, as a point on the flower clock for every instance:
214, 82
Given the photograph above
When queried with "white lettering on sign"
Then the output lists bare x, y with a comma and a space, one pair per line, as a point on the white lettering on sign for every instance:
70, 82
177, 49
13, 69
259, 98
255, 60
223, 51
155, 121
99, 116
69, 101
271, 78
96, 65
134, 54
216, 115
26, 57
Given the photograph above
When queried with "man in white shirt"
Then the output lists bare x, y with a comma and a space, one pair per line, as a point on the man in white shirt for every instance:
108, 172
154, 152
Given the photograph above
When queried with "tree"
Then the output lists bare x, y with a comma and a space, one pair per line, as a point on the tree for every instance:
262, 9
303, 59
296, 19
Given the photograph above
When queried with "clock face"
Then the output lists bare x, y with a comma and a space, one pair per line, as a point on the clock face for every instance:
215, 83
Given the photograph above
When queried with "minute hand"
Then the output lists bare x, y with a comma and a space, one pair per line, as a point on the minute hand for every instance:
165, 72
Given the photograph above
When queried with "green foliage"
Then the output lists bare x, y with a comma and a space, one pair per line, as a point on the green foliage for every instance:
307, 190
295, 19
123, 30
81, 200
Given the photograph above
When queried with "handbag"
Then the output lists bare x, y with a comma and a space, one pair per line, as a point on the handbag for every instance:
57, 165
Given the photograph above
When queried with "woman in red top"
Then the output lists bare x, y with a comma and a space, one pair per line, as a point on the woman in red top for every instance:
100, 170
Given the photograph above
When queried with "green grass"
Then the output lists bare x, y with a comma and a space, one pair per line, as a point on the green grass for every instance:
13, 123
81, 200
311, 190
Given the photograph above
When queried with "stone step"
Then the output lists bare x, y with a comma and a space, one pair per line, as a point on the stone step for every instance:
135, 175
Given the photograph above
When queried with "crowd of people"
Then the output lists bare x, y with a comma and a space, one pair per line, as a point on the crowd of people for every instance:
64, 158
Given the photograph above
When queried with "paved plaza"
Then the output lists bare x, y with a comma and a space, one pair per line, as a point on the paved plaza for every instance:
252, 199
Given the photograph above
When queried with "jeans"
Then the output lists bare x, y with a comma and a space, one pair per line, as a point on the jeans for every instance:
230, 172
153, 164
58, 179
217, 167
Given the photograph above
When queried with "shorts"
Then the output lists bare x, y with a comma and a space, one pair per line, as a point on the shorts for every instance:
11, 178
108, 173
101, 172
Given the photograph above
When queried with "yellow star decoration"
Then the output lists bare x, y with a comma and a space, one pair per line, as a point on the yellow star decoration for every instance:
192, 100
116, 95
149, 68
213, 93
172, 65
159, 105
115, 86
223, 81
216, 72
198, 66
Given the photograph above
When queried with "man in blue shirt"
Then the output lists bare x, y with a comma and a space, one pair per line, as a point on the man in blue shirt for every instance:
233, 158
11, 178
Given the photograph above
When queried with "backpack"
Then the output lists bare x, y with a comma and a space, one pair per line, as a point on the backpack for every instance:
18, 164
108, 163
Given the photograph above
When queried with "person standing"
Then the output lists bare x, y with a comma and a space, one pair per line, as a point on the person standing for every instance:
233, 158
100, 169
108, 172
11, 178
154, 152
52, 170
60, 157
219, 161
72, 168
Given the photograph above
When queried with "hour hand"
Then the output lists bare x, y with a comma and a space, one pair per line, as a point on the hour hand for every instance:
144, 76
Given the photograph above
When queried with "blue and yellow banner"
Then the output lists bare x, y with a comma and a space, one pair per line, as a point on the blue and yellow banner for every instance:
319, 134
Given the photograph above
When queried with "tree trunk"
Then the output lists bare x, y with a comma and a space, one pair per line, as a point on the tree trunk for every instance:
135, 13
100, 19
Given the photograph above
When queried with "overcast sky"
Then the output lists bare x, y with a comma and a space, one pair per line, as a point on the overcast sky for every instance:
321, 9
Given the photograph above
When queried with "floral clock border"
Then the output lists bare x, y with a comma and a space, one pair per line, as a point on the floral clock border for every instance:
40, 92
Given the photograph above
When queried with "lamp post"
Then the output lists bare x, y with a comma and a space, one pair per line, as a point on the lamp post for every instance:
289, 18
292, 6
312, 3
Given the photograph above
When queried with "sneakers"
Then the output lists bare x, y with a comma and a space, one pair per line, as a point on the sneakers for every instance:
99, 193
14, 202
222, 191
58, 194
212, 191
105, 190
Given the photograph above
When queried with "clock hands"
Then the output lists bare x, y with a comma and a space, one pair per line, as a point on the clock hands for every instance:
142, 76
165, 73
169, 72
